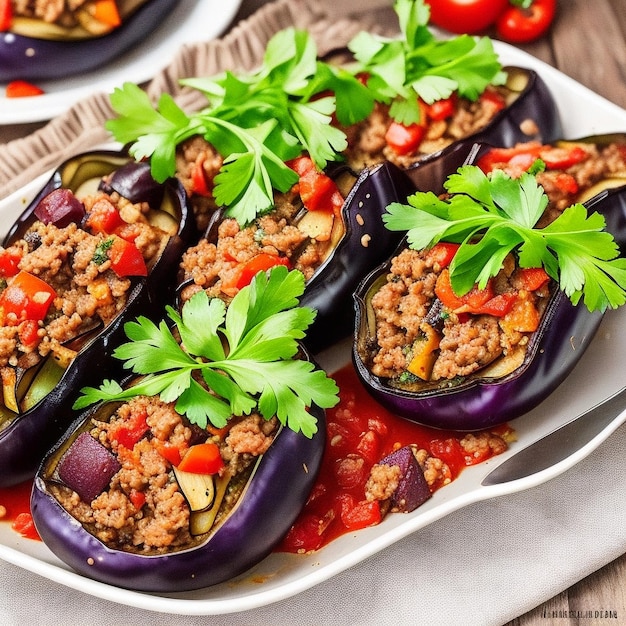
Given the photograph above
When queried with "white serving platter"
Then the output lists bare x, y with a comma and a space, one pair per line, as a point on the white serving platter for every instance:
281, 576
190, 22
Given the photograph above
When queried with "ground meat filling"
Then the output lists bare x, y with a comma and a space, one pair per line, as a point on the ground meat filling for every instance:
143, 509
564, 185
89, 294
367, 144
404, 305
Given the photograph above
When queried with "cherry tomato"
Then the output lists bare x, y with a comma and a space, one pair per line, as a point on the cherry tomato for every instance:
465, 16
524, 21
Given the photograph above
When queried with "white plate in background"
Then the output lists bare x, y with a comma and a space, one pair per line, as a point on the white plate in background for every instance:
281, 576
191, 21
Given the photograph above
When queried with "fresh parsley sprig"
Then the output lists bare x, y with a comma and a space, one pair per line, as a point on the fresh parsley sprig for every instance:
246, 355
492, 216
255, 120
419, 64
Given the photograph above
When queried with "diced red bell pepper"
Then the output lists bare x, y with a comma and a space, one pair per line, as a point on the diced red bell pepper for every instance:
6, 15
126, 258
104, 218
199, 183
442, 109
532, 278
138, 498
318, 191
27, 297
566, 183
369, 446
469, 302
493, 97
442, 253
28, 332
203, 458
449, 450
404, 139
244, 274
22, 89
525, 155
129, 432
9, 262
498, 306
168, 451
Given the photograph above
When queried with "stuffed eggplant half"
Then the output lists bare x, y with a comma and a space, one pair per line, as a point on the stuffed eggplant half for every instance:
167, 494
465, 327
49, 40
100, 241
328, 226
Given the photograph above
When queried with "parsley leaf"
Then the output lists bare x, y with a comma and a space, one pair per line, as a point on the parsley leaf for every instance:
492, 216
418, 64
246, 354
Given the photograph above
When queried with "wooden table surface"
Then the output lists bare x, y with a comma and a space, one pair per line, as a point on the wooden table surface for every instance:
588, 43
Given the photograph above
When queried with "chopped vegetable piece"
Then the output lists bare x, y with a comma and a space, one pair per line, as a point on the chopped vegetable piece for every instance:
9, 262
197, 487
203, 458
61, 208
87, 467
404, 139
104, 218
126, 258
22, 89
106, 11
6, 15
27, 297
412, 490
424, 352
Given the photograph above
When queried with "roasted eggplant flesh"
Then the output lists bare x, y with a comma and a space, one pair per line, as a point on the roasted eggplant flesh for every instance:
93, 34
58, 347
219, 525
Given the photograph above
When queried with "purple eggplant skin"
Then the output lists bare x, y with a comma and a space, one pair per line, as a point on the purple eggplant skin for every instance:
365, 244
269, 507
25, 441
477, 403
510, 126
30, 58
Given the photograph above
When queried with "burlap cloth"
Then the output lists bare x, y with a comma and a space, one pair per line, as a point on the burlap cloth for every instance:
82, 126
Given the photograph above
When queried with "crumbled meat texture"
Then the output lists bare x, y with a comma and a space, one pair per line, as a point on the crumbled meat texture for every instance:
467, 344
161, 523
367, 144
88, 294
476, 444
61, 12
382, 482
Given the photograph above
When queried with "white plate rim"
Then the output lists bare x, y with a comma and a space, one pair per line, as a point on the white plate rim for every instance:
241, 595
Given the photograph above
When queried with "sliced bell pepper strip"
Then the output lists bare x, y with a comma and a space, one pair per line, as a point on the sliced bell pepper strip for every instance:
244, 274
6, 15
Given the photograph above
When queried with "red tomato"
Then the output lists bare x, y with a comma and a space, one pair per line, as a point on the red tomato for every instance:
356, 515
317, 190
9, 263
104, 218
562, 158
442, 109
22, 89
465, 16
259, 263
518, 24
442, 253
25, 526
138, 498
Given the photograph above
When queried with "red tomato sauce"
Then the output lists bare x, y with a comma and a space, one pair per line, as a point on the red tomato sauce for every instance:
15, 506
360, 432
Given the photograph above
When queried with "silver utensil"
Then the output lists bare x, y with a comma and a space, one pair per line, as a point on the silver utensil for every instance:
560, 443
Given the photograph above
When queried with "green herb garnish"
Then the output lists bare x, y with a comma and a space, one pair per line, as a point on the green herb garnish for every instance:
419, 64
492, 216
246, 354
100, 255
256, 121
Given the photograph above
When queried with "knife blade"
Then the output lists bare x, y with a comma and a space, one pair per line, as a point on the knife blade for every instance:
559, 444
